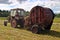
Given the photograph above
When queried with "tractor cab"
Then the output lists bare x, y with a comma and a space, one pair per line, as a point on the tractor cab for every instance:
17, 12
17, 17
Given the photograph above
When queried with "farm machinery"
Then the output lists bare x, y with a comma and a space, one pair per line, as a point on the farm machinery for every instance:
40, 18
16, 18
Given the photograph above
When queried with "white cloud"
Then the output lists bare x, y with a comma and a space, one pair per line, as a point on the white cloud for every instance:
57, 11
4, 7
28, 4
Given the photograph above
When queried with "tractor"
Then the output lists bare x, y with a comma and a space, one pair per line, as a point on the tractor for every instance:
16, 18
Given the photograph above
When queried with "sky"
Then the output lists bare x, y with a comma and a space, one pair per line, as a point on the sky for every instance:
29, 4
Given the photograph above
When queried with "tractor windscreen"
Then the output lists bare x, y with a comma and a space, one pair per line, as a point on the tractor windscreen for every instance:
21, 13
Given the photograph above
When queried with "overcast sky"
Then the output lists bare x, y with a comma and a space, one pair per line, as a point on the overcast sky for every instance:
28, 4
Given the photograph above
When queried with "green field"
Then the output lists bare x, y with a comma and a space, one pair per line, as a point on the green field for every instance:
9, 33
3, 18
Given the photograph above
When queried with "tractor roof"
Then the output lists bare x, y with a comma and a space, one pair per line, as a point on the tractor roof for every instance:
18, 9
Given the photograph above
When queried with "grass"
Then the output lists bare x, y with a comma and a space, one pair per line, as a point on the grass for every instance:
56, 20
3, 18
9, 33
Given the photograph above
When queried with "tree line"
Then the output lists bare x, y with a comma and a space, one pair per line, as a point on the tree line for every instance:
57, 15
6, 13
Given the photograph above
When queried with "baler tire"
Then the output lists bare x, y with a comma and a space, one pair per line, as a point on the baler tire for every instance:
35, 30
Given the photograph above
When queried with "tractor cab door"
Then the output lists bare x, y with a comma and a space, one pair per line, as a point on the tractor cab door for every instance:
13, 12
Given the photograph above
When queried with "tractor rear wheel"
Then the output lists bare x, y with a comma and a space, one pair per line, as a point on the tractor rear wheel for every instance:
14, 23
